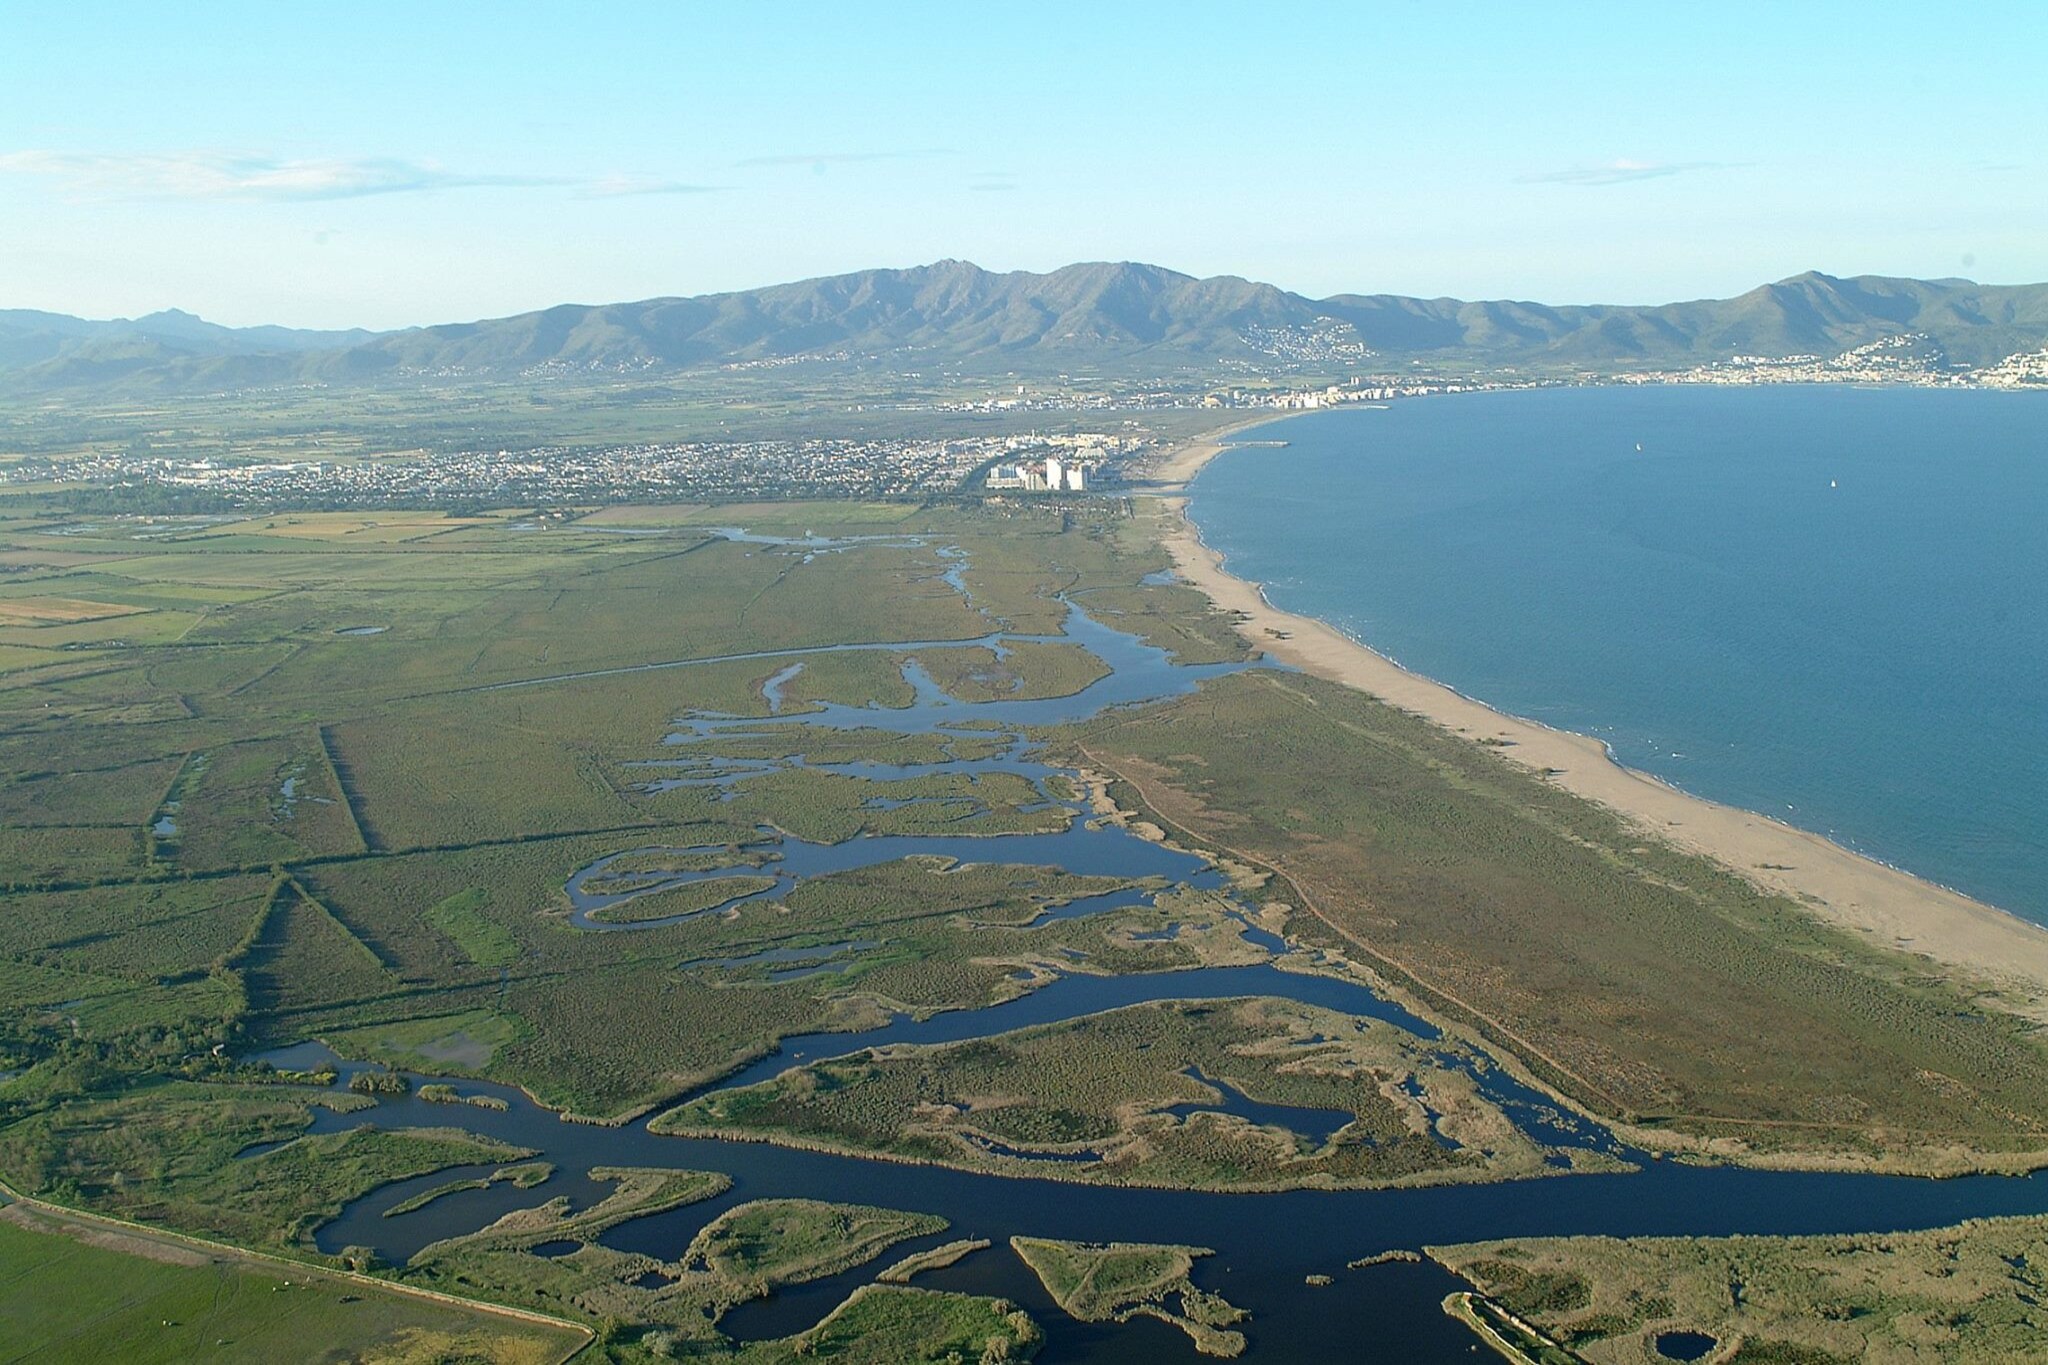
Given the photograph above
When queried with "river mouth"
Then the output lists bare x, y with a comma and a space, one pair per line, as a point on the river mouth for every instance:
1266, 1244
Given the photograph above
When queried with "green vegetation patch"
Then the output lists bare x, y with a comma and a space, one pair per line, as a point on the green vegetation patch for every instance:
1170, 616
123, 795
789, 1241
742, 1254
260, 802
1628, 974
462, 1043
882, 1324
592, 1281
691, 898
149, 933
1024, 670
305, 957
1093, 1099
1117, 1281
170, 1153
1963, 1295
524, 1176
829, 808
938, 1258
461, 918
43, 854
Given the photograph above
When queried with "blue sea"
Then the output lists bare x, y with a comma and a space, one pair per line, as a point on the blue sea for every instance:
1829, 604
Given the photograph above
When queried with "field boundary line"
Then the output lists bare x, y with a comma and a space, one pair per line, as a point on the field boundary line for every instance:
344, 784
348, 804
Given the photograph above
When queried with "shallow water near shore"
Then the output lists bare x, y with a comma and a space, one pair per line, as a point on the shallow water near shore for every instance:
1816, 602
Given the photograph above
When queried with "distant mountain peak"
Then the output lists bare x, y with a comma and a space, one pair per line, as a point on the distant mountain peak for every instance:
1127, 314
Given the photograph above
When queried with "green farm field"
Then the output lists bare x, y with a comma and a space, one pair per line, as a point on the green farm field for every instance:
77, 1291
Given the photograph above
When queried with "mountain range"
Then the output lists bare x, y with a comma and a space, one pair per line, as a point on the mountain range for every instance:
1120, 316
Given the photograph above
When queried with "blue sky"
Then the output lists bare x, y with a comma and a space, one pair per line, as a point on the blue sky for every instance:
381, 165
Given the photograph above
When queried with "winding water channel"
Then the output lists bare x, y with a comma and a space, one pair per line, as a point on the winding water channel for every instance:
1266, 1244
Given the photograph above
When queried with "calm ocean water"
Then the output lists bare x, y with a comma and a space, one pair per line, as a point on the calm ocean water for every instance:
1827, 604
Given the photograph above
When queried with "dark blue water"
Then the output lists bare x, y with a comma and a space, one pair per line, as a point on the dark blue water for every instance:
1822, 603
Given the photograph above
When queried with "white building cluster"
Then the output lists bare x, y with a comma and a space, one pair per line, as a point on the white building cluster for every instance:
2025, 370
1052, 475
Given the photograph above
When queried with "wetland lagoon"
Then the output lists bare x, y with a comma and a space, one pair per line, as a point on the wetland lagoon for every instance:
999, 892
1271, 1248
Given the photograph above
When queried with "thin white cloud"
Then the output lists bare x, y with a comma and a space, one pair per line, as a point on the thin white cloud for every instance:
1620, 171
237, 176
220, 175
820, 160
616, 186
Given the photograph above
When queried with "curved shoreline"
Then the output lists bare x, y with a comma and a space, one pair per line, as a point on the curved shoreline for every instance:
1883, 904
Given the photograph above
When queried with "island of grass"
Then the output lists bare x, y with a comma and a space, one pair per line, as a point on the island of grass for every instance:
691, 898
1025, 670
1965, 1295
524, 1176
938, 1258
883, 1324
1143, 1096
1118, 1281
551, 1257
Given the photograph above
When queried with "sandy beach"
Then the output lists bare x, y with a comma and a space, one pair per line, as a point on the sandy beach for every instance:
2003, 952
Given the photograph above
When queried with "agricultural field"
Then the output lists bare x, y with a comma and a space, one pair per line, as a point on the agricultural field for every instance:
1961, 1295
86, 1292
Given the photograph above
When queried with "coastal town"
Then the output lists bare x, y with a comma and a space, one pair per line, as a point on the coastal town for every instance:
847, 468
1029, 462
1905, 358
